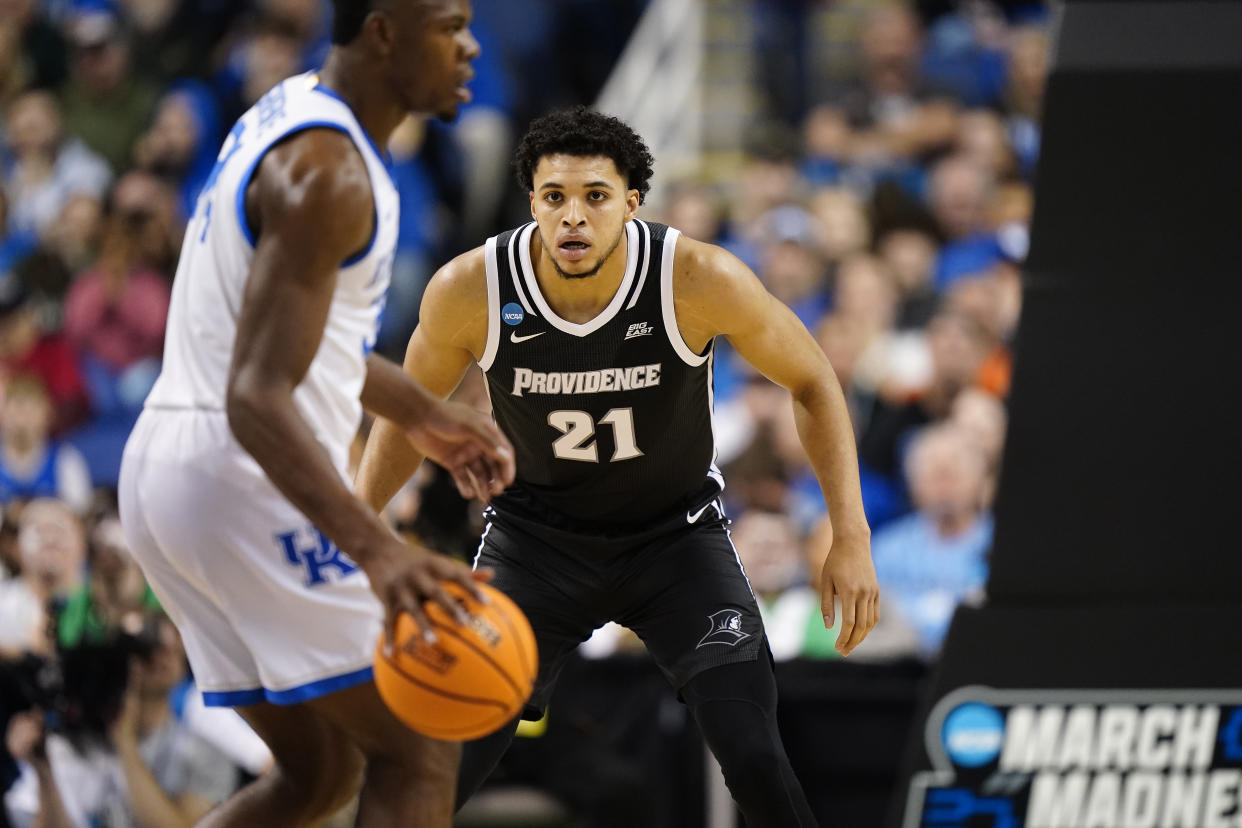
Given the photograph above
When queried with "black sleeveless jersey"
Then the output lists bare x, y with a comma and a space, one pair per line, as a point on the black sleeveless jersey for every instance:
612, 418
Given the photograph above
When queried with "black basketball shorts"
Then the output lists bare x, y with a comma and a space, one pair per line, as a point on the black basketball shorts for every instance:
679, 586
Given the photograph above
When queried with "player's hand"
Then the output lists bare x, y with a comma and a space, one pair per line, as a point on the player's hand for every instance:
404, 577
26, 739
849, 575
469, 445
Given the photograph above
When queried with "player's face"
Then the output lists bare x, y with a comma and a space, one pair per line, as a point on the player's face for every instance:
432, 48
581, 204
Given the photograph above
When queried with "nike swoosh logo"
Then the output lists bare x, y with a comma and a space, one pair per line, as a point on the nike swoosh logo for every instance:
514, 338
693, 518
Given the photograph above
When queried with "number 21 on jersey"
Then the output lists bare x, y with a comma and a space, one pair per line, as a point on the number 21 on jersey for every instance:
578, 431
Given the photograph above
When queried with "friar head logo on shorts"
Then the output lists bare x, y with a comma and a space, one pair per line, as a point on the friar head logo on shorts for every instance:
725, 627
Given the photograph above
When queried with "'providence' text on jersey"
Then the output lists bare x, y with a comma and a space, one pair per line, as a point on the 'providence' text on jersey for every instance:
611, 418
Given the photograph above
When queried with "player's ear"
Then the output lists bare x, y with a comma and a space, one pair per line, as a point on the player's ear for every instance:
378, 26
632, 200
532, 204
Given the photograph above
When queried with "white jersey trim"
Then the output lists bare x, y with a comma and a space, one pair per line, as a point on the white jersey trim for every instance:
606, 315
493, 304
515, 272
667, 309
642, 274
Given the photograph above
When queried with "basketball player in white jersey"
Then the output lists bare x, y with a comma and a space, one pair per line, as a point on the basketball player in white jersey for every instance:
234, 492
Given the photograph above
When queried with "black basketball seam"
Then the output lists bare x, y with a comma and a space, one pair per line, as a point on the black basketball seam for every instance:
499, 669
438, 691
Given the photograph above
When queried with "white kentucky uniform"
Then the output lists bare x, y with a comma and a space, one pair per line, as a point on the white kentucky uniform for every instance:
268, 607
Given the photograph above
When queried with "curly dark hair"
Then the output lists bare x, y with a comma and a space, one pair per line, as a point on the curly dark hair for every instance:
581, 132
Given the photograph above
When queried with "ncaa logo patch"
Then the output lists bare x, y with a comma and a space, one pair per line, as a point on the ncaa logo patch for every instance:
973, 734
724, 627
512, 314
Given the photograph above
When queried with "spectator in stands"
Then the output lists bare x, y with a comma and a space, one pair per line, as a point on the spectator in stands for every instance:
790, 264
892, 364
981, 138
115, 596
43, 167
910, 255
895, 114
1024, 99
183, 140
309, 21
115, 312
68, 246
752, 464
147, 770
958, 348
982, 417
53, 549
959, 194
769, 178
981, 298
695, 210
37, 56
843, 224
175, 38
25, 349
827, 137
158, 237
14, 245
106, 105
770, 551
32, 464
264, 54
931, 561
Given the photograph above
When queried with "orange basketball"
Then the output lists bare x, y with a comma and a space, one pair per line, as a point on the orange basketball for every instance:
472, 680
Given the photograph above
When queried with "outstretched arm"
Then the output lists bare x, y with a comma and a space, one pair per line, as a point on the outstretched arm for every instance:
450, 335
716, 294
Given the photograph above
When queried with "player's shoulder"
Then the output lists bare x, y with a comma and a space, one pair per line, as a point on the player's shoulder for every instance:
454, 307
318, 165
314, 188
461, 279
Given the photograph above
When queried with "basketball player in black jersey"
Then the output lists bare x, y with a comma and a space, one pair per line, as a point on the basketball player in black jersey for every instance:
595, 331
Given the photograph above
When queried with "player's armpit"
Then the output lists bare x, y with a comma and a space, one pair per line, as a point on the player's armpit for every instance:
453, 323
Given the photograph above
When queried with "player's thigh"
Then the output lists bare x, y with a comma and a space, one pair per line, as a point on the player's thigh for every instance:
560, 608
219, 656
310, 750
361, 714
305, 612
692, 605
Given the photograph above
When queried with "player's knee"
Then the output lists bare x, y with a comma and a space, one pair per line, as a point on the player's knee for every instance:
751, 761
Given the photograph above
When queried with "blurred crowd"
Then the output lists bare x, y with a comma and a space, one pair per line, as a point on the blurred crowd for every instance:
885, 196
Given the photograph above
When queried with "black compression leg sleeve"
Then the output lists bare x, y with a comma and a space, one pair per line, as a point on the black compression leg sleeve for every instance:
479, 758
735, 706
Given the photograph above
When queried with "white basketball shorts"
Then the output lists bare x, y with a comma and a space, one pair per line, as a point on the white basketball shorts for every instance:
269, 608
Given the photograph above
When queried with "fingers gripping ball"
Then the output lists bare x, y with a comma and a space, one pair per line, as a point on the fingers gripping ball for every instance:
472, 680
